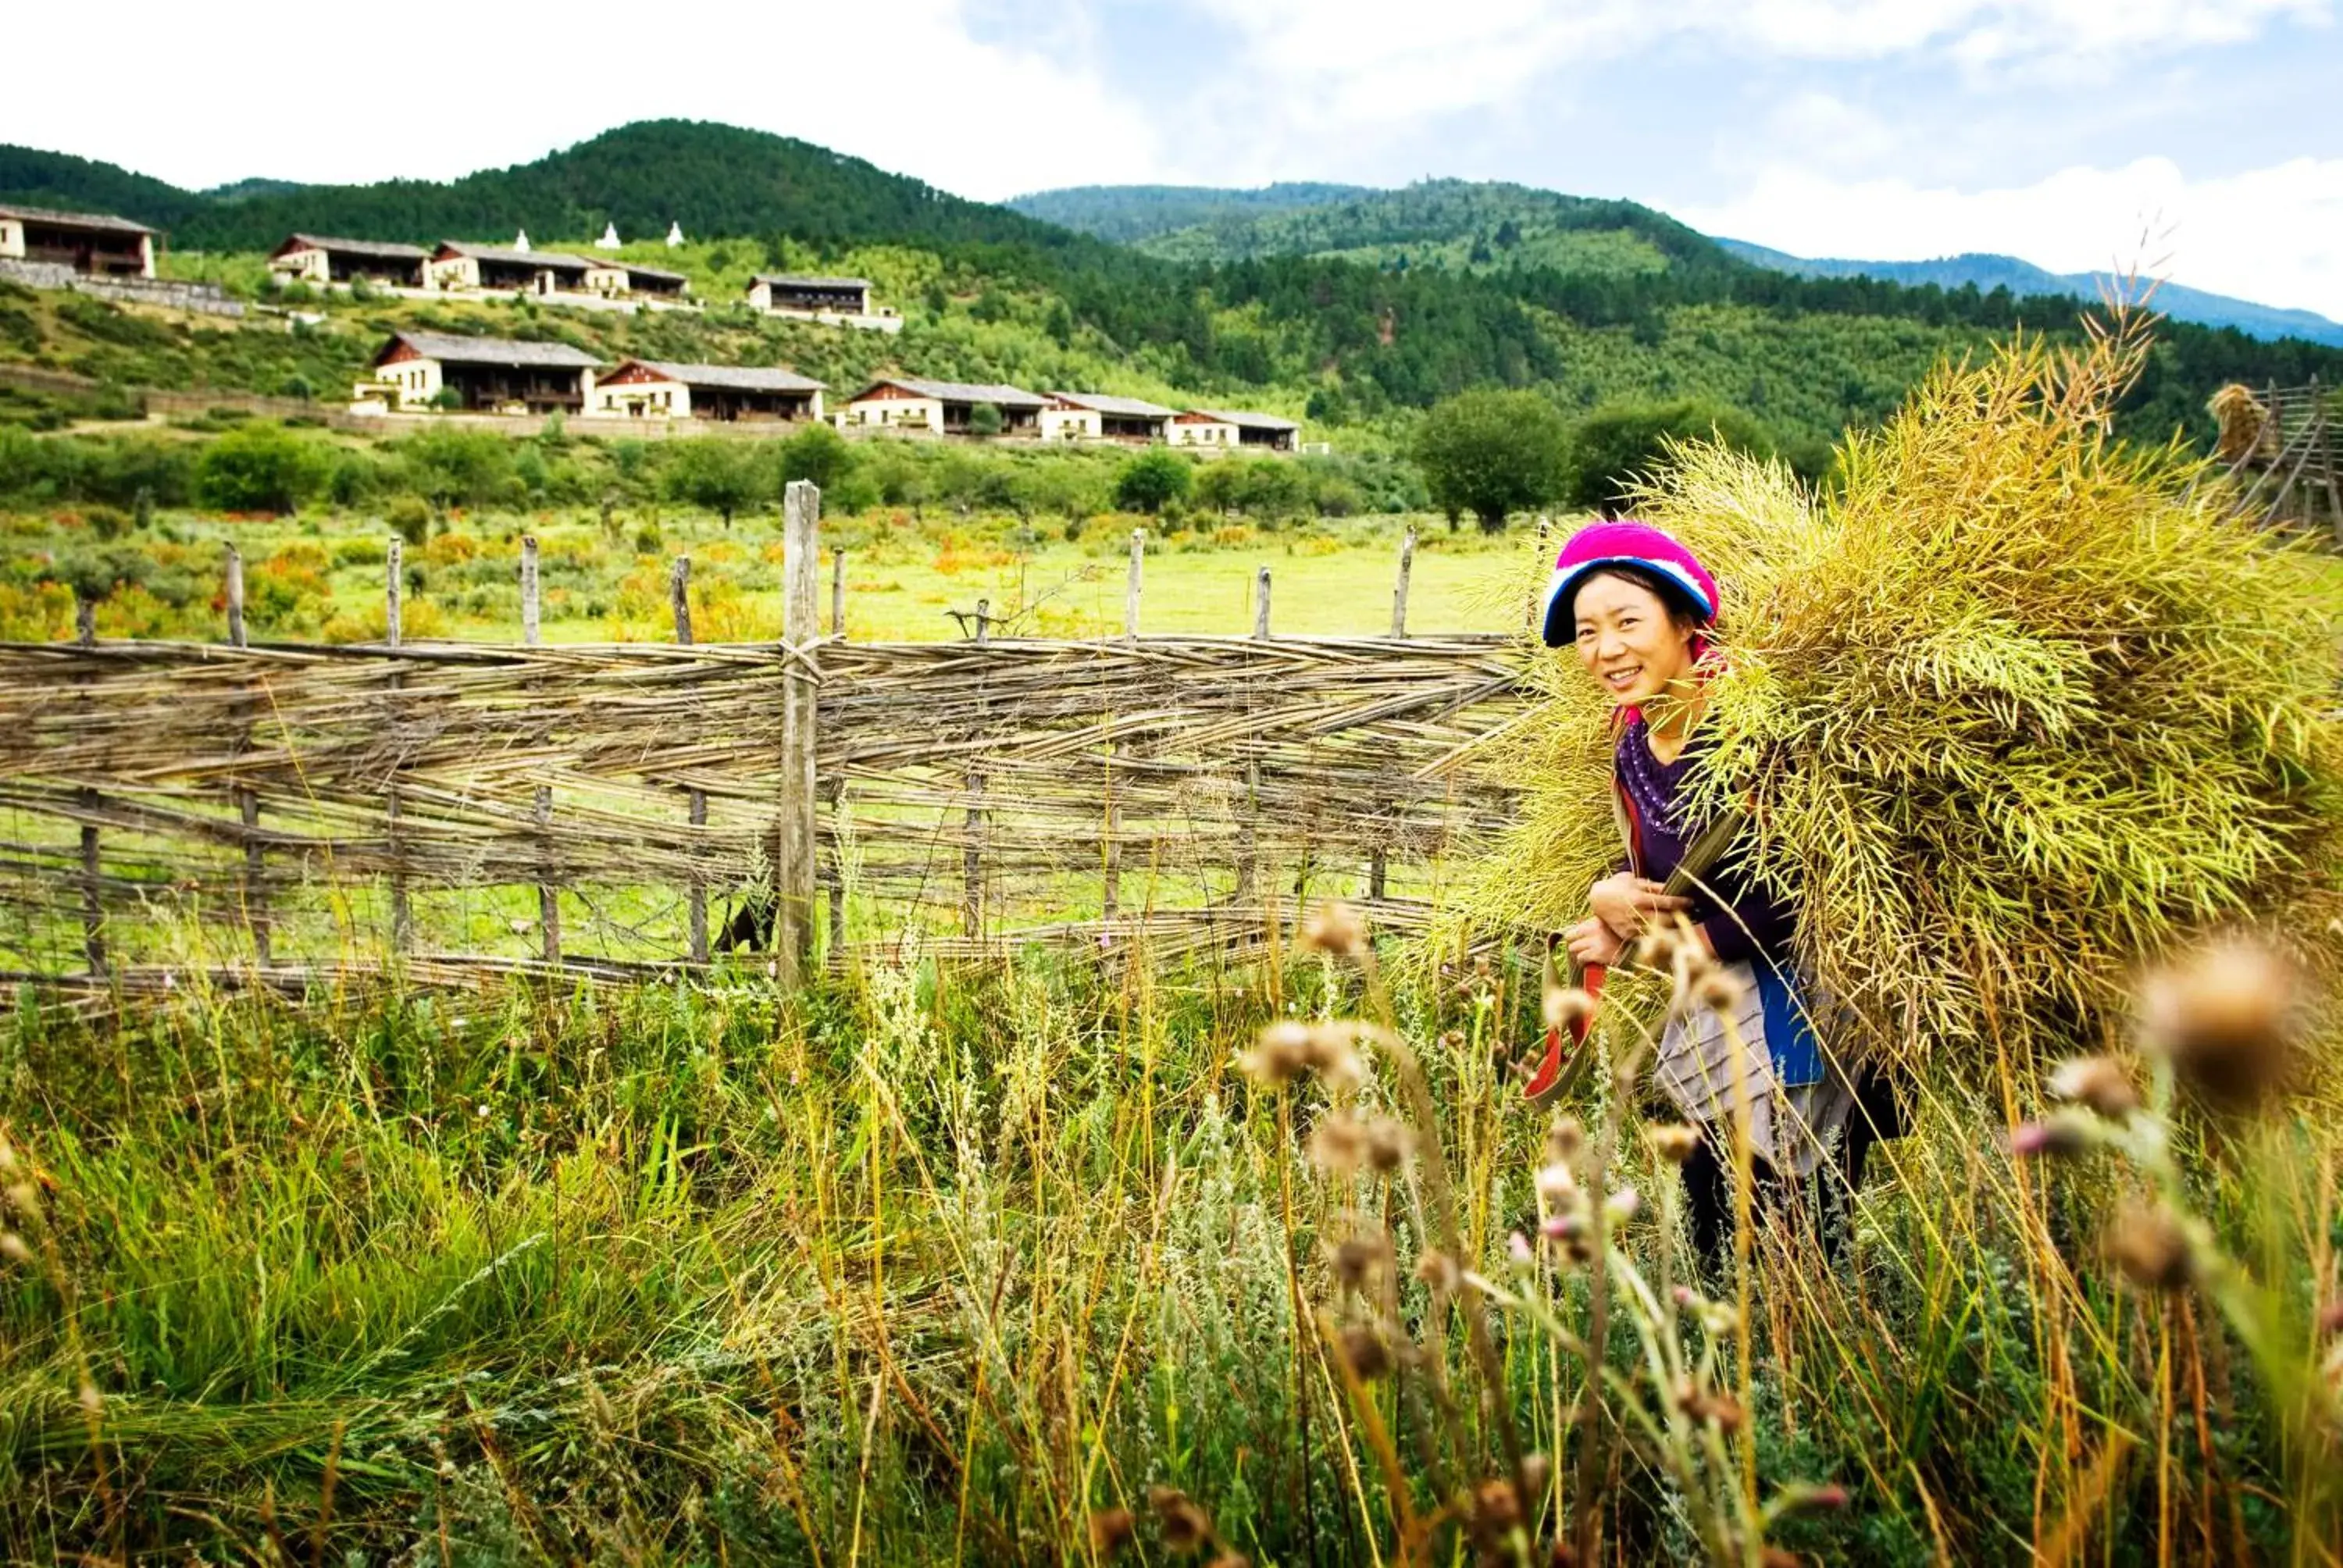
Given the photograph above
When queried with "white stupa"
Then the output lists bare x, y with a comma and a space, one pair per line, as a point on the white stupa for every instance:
609, 240
520, 239
674, 233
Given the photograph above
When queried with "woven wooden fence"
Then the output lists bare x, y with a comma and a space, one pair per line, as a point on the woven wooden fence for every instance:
288, 813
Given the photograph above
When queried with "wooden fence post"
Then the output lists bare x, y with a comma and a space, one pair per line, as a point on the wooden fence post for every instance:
402, 919
793, 859
1261, 604
972, 867
1131, 592
679, 593
92, 907
549, 892
837, 593
1399, 593
1248, 825
247, 800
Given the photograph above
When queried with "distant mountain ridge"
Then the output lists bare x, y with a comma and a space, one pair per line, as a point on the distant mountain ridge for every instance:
2023, 278
1456, 225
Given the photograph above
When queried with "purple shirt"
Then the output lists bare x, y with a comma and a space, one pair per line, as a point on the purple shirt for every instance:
1748, 924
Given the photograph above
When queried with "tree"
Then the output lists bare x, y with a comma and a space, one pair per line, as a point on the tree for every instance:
1615, 445
447, 465
722, 476
1493, 453
984, 420
819, 453
258, 469
1153, 480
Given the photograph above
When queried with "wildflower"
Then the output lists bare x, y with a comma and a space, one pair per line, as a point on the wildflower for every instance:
1518, 1248
2151, 1247
1718, 992
2065, 1133
1674, 1143
1111, 1531
1622, 1206
1567, 1007
2097, 1082
2226, 1018
1367, 1356
1185, 1526
1335, 928
1439, 1271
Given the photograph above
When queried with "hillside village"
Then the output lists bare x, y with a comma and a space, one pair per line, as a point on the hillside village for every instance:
420, 374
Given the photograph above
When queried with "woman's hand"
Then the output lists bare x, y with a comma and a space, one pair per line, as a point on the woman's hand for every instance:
1628, 903
1592, 942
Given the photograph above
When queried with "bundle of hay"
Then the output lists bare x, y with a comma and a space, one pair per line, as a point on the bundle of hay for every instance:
2016, 706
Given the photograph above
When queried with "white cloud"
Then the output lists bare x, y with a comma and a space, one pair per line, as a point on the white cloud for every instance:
339, 94
2272, 234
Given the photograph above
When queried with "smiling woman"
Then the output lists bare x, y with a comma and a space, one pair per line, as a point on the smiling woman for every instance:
1638, 607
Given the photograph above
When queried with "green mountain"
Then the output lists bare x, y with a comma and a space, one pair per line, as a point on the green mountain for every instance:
713, 179
1355, 312
2025, 279
1127, 215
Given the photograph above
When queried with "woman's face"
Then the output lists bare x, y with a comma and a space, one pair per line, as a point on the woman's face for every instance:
1627, 640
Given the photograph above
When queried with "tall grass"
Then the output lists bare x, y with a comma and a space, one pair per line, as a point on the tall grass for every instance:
928, 1267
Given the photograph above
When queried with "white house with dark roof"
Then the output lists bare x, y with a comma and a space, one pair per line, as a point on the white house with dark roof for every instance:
660, 390
1100, 417
1225, 429
832, 301
458, 267
485, 374
96, 244
323, 261
940, 407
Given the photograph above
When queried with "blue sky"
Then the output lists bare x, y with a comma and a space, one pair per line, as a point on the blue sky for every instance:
2063, 131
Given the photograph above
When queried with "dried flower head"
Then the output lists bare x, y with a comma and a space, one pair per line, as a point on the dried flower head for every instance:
1622, 1206
1655, 950
1718, 991
13, 1248
1496, 1514
1355, 1259
1567, 1007
1185, 1527
2063, 1133
1776, 1557
1335, 928
1439, 1271
1231, 1560
2151, 1247
1699, 1403
1803, 1497
2227, 1017
1111, 1530
1338, 1144
2098, 1084
1675, 1142
1388, 1144
1333, 1049
1564, 1139
1280, 1054
2330, 1322
1364, 1350
1555, 1183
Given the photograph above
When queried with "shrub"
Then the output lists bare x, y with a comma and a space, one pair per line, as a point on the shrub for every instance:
984, 420
1614, 446
409, 519
1153, 480
259, 468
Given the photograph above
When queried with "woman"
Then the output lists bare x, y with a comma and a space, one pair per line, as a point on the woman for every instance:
1638, 607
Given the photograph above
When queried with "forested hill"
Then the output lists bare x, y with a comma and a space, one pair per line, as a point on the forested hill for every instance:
713, 179
1127, 215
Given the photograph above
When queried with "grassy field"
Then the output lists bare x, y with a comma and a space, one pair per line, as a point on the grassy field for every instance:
940, 1266
321, 575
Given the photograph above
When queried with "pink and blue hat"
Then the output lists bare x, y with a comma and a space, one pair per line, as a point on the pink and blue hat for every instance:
1626, 543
